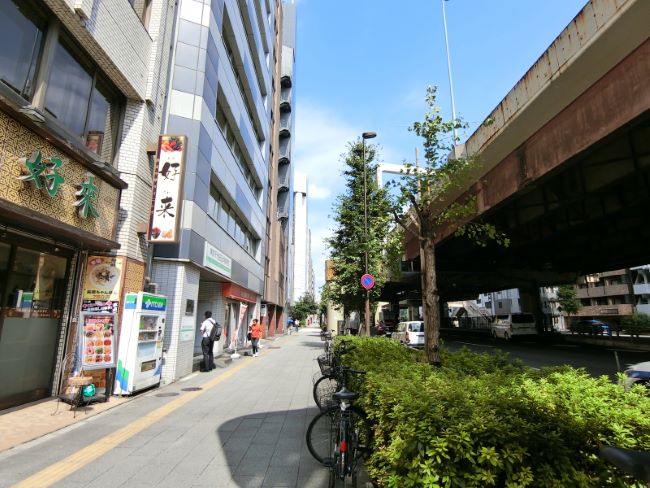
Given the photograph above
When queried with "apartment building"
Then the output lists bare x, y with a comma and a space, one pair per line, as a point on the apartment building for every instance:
221, 98
80, 113
279, 216
607, 296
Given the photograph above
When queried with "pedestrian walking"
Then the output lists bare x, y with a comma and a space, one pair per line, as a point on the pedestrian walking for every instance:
255, 332
206, 342
296, 325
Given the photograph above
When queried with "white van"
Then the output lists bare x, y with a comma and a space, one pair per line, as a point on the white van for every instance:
410, 333
514, 324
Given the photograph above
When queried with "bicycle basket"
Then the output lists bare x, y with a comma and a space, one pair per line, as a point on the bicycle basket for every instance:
325, 364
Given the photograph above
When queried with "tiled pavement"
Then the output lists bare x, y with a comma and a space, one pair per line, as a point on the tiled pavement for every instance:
244, 428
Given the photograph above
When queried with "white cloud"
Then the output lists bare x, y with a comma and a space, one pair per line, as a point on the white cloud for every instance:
317, 192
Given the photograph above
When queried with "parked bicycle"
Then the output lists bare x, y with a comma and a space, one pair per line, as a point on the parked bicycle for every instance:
328, 381
631, 462
339, 437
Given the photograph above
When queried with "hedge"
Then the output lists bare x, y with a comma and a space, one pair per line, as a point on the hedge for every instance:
482, 420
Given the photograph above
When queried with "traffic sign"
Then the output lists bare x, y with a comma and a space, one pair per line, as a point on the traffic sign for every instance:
367, 281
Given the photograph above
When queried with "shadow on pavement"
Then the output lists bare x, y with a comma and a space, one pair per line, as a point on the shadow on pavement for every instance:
268, 449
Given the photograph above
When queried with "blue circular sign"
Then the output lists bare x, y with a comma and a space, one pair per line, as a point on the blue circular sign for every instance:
367, 281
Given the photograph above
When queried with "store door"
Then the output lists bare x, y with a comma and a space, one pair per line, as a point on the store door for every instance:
32, 290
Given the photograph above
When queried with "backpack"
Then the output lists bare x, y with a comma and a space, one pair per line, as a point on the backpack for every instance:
215, 331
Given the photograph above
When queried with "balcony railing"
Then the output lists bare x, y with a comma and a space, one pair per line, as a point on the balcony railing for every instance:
602, 310
285, 99
603, 291
285, 151
642, 289
285, 124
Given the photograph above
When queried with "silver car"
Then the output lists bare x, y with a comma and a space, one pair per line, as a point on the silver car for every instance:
410, 333
637, 374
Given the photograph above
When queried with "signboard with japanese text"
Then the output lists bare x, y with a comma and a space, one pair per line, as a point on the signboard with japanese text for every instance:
216, 260
98, 341
168, 190
103, 278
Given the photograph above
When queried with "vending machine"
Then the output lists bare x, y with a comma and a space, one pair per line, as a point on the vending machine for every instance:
139, 359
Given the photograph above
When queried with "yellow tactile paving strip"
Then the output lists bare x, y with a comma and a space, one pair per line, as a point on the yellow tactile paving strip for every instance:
81, 458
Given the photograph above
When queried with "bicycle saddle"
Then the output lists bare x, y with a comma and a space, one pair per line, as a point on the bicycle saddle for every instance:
345, 394
634, 463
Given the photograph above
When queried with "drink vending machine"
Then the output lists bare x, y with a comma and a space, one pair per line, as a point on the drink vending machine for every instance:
139, 360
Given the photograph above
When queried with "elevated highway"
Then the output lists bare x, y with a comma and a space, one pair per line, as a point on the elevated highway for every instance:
565, 164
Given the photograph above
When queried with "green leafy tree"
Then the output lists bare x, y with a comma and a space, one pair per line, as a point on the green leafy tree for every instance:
429, 200
636, 324
568, 300
304, 307
348, 244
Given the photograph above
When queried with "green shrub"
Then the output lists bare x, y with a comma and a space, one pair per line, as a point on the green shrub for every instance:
635, 324
482, 420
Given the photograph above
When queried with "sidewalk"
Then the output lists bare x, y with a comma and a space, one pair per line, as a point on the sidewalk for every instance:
241, 425
33, 420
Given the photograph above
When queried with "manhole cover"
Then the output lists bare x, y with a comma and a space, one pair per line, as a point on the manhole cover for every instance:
192, 388
170, 394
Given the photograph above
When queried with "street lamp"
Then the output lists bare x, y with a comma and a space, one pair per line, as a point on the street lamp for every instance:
364, 136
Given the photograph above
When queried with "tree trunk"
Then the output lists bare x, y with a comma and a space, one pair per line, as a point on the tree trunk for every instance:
430, 301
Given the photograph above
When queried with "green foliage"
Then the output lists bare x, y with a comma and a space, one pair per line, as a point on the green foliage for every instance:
636, 324
304, 307
567, 298
482, 420
348, 244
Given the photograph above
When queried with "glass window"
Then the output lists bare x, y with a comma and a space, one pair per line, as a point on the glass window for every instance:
68, 91
21, 38
30, 324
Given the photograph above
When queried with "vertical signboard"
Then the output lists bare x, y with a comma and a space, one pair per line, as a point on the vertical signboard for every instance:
167, 198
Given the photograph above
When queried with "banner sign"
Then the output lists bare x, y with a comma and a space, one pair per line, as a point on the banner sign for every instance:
103, 278
98, 306
98, 341
167, 198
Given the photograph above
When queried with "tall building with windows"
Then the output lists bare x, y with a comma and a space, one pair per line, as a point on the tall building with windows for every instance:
277, 269
301, 239
82, 94
222, 97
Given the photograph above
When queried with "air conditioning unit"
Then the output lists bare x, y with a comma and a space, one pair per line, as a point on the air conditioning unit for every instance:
151, 288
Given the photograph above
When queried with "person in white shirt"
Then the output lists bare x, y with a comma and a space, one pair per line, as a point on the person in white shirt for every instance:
206, 343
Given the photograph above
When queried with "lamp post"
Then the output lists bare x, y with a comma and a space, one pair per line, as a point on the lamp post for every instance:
364, 136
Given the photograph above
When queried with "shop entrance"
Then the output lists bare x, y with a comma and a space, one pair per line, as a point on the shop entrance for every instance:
33, 279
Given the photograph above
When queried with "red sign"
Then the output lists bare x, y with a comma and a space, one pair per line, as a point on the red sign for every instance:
236, 292
367, 281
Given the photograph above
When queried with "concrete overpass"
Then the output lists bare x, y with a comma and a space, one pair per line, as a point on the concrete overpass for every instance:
566, 164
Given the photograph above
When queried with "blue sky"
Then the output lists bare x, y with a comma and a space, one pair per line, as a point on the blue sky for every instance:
364, 65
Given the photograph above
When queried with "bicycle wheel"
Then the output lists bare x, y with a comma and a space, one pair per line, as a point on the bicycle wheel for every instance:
322, 434
324, 390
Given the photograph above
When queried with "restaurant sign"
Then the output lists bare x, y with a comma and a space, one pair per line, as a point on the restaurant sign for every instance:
46, 175
166, 204
103, 278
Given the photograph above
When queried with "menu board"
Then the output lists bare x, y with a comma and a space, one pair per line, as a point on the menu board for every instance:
99, 342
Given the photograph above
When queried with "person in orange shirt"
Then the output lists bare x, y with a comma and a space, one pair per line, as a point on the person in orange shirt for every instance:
255, 331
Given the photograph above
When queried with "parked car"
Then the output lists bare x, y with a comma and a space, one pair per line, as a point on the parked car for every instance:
510, 325
637, 374
410, 333
591, 327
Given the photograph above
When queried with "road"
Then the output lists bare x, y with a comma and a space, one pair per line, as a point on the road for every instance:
597, 361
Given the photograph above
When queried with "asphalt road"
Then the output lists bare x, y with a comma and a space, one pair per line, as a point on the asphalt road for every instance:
597, 361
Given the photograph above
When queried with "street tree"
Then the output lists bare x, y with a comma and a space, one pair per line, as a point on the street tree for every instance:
348, 244
431, 199
568, 300
304, 307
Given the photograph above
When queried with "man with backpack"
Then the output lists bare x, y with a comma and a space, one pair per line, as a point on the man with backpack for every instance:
210, 332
